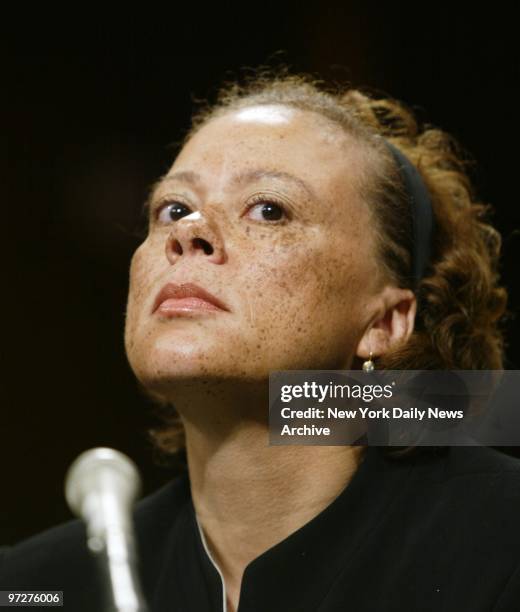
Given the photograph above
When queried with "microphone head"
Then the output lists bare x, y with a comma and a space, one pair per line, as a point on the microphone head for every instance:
101, 471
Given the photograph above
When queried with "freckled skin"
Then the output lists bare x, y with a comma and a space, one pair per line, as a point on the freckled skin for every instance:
297, 291
305, 293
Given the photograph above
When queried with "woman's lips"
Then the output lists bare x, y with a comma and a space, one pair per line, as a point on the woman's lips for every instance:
174, 306
175, 299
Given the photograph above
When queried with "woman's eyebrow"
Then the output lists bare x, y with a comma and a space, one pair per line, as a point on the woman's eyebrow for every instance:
246, 176
249, 176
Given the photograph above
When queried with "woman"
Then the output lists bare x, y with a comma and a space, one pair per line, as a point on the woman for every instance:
282, 238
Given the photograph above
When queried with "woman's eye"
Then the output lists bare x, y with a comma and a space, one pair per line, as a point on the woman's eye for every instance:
267, 211
173, 212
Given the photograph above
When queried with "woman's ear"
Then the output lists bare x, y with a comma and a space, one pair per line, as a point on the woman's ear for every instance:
392, 324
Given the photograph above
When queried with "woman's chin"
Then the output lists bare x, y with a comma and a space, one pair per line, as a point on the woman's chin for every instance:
193, 385
170, 372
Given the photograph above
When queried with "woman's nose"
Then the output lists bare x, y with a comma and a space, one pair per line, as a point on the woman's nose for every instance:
195, 236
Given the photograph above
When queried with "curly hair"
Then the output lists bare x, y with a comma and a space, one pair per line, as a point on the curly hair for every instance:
460, 303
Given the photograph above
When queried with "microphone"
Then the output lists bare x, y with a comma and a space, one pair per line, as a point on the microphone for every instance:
101, 486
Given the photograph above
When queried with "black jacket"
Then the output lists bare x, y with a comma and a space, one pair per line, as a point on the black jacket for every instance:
438, 531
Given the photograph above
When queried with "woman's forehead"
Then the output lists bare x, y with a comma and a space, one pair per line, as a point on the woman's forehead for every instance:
274, 122
268, 114
280, 138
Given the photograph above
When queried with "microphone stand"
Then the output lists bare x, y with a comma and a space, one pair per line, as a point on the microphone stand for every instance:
101, 486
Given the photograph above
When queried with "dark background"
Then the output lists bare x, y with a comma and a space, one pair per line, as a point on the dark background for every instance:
91, 103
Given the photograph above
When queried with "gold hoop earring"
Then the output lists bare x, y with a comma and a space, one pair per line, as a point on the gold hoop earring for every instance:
369, 366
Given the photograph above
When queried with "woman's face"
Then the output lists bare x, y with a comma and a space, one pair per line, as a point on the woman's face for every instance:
260, 209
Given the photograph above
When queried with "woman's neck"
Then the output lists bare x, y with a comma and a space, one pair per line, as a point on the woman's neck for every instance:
249, 496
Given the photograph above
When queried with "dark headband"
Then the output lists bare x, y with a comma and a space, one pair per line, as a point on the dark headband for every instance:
421, 210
